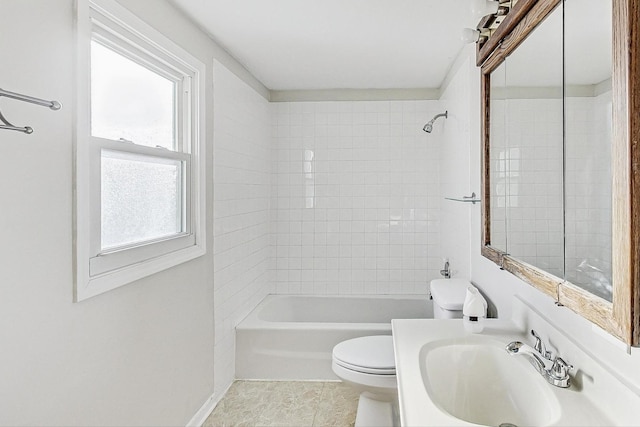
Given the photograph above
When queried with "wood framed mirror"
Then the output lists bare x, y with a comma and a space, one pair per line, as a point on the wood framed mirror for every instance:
574, 173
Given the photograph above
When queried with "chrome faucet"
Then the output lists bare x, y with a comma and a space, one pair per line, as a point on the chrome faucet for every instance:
554, 370
446, 272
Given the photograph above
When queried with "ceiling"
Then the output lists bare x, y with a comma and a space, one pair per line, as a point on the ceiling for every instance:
338, 44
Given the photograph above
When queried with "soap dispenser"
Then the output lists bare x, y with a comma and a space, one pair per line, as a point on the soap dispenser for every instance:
474, 310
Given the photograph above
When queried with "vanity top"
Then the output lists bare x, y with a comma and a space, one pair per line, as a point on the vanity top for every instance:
432, 384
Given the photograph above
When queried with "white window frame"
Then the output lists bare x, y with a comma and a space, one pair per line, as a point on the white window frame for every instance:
97, 270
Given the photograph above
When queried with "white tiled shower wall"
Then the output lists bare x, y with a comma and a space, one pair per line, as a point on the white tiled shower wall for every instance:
355, 197
318, 197
242, 150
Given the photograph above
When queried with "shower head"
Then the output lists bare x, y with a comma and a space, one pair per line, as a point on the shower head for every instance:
429, 126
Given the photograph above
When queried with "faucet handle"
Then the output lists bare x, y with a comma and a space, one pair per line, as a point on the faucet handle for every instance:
539, 346
560, 369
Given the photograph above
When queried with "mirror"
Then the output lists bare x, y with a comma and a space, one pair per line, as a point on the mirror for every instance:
498, 162
533, 118
559, 189
588, 46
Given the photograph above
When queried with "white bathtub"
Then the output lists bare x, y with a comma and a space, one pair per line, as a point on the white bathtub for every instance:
291, 336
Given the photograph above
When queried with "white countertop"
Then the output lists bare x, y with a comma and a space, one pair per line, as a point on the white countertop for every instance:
416, 406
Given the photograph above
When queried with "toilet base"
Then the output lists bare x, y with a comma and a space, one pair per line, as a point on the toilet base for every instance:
377, 413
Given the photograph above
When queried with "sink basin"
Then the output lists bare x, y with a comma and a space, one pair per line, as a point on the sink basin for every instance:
475, 380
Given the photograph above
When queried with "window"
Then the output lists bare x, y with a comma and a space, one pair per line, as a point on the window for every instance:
139, 158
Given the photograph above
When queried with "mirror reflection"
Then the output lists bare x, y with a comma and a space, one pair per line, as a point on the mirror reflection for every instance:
498, 160
534, 131
588, 64
550, 153
531, 153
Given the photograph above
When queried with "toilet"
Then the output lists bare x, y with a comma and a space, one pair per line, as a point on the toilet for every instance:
448, 297
368, 363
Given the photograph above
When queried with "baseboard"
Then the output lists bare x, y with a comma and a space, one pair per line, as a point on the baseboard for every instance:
203, 413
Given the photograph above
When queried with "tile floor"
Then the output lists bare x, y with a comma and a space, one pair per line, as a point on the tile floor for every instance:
285, 403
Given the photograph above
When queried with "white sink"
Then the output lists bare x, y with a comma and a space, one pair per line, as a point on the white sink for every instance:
450, 376
475, 380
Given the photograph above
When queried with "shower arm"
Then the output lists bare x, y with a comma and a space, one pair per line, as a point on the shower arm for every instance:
429, 126
445, 114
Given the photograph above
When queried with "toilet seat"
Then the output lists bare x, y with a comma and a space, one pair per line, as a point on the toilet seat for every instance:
364, 369
371, 355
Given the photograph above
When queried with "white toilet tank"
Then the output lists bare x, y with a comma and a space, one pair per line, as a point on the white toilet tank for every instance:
448, 297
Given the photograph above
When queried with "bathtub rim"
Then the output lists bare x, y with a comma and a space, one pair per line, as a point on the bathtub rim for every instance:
253, 322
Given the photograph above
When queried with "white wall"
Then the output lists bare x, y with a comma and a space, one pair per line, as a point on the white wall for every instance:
500, 286
355, 197
138, 355
455, 169
242, 161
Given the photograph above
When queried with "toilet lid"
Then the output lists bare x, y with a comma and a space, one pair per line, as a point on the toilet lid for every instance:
371, 355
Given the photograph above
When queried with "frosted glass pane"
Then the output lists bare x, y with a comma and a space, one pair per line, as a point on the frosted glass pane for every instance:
130, 101
141, 199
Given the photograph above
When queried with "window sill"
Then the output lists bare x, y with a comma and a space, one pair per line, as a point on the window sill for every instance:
105, 282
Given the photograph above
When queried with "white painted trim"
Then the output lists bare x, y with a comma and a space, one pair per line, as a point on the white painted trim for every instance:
545, 92
580, 91
521, 92
602, 87
81, 153
203, 413
122, 17
415, 94
106, 282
